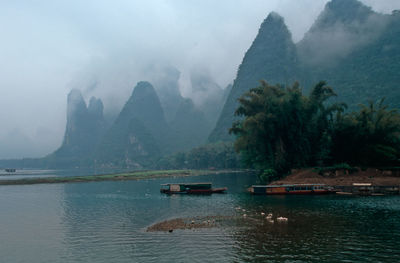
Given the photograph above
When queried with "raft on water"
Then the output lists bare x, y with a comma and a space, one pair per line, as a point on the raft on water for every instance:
191, 188
288, 189
368, 189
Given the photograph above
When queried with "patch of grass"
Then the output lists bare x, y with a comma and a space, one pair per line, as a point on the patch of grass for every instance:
136, 175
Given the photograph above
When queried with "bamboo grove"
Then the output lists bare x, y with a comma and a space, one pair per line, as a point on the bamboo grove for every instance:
280, 128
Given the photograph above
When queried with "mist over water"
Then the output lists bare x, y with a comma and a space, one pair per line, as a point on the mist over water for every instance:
104, 49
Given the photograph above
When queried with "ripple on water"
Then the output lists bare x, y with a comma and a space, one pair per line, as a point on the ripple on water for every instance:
106, 222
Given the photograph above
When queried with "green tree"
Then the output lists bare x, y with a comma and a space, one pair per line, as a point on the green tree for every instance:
370, 137
281, 128
217, 155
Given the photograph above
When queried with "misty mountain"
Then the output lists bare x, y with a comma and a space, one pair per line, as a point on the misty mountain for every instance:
368, 47
208, 96
190, 119
190, 126
272, 56
139, 133
85, 126
166, 84
342, 27
353, 48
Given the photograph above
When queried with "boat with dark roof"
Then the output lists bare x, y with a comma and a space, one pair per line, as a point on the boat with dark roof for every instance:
291, 189
191, 188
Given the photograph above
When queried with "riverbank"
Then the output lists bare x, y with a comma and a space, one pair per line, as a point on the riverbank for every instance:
342, 177
135, 175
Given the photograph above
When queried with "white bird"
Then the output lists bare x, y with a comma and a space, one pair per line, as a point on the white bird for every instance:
262, 213
282, 219
244, 215
269, 216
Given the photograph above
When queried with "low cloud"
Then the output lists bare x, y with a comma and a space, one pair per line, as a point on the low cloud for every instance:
103, 48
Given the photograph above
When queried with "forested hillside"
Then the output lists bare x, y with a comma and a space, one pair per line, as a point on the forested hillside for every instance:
350, 46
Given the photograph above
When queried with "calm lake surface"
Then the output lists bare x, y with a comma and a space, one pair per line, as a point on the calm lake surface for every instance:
107, 221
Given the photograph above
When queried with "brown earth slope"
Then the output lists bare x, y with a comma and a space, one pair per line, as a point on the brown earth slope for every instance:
342, 177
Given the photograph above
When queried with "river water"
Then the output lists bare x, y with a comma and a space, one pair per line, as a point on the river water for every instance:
107, 221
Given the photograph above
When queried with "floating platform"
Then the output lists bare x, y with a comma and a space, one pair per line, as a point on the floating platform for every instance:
291, 189
191, 188
368, 189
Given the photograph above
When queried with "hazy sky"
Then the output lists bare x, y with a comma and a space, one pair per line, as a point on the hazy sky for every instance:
48, 47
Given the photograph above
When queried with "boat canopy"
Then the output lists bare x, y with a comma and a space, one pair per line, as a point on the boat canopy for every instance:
188, 183
286, 185
185, 186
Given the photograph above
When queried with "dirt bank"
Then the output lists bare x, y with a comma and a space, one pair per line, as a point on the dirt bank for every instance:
342, 177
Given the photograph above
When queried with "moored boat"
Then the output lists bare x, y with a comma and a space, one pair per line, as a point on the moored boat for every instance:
287, 189
191, 188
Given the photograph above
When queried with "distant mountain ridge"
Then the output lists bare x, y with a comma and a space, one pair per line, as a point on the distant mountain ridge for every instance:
138, 131
85, 126
353, 48
139, 135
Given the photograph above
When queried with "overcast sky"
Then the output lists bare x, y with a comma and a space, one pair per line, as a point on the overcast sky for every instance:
48, 47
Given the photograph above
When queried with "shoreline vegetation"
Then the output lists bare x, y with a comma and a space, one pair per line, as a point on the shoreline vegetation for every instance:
135, 175
327, 175
280, 128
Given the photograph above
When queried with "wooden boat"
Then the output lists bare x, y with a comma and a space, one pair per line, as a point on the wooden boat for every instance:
290, 189
191, 188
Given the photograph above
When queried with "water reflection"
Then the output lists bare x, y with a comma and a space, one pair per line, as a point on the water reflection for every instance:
108, 219
106, 222
320, 228
30, 223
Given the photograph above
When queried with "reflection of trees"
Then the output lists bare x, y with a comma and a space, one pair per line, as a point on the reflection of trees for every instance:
318, 230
